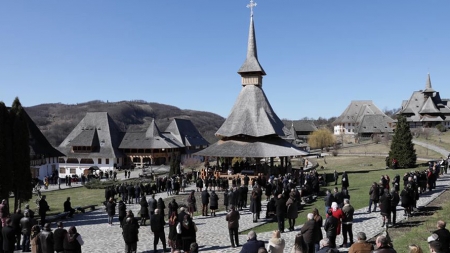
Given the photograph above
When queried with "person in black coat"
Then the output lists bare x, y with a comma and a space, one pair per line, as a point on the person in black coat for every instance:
9, 237
161, 206
308, 233
205, 202
43, 208
15, 219
330, 227
281, 212
252, 245
130, 235
225, 200
58, 236
25, 225
213, 203
395, 199
329, 199
111, 210
344, 180
157, 225
144, 210
122, 212
385, 206
173, 207
68, 208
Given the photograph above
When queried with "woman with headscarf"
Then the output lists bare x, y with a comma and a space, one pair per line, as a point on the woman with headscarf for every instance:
35, 231
161, 206
73, 241
188, 233
144, 210
292, 210
173, 235
276, 243
213, 203
191, 203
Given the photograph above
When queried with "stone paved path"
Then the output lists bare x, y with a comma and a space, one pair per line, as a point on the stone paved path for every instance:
213, 232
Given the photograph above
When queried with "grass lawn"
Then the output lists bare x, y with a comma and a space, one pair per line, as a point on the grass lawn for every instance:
383, 149
440, 140
362, 171
418, 234
79, 196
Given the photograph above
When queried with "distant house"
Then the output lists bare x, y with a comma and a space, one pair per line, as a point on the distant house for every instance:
362, 118
43, 156
299, 132
426, 108
152, 146
93, 143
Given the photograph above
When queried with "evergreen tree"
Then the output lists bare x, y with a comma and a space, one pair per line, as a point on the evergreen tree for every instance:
21, 177
402, 147
174, 165
5, 153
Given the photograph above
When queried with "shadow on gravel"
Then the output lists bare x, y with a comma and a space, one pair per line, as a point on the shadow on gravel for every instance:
363, 219
203, 248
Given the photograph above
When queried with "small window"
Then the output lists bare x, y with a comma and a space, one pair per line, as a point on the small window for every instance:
107, 161
99, 160
62, 170
73, 171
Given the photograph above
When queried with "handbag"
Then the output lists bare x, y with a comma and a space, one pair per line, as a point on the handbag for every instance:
179, 228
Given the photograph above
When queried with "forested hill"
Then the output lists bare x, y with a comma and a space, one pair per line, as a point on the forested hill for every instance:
56, 121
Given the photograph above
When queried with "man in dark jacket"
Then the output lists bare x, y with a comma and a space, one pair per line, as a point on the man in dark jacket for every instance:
329, 199
347, 223
233, 226
374, 193
308, 233
157, 225
325, 247
395, 199
205, 202
443, 236
46, 239
68, 207
130, 235
330, 227
25, 226
338, 197
9, 237
15, 219
152, 205
58, 237
280, 205
43, 208
383, 245
252, 245
182, 213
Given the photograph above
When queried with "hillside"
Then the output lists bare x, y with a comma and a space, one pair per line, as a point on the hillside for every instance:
56, 121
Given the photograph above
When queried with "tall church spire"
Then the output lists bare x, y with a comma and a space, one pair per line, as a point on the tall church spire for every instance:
251, 71
428, 87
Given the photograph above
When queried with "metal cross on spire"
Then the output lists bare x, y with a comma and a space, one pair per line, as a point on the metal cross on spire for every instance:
251, 5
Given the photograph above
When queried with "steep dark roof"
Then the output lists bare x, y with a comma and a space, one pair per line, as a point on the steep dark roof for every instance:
179, 134
304, 126
252, 115
186, 133
375, 123
251, 63
39, 145
96, 128
423, 103
356, 110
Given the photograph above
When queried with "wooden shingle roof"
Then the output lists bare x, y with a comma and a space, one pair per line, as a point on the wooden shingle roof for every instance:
95, 129
39, 145
252, 115
356, 110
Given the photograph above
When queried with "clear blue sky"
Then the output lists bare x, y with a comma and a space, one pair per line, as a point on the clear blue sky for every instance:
318, 54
